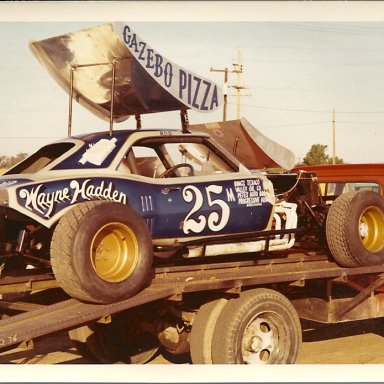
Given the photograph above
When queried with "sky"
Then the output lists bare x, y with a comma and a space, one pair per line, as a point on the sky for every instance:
296, 72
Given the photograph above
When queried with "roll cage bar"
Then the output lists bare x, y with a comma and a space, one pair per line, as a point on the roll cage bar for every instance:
183, 112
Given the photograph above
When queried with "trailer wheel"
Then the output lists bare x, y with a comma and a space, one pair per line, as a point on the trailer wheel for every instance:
202, 331
79, 337
259, 327
101, 252
355, 229
121, 341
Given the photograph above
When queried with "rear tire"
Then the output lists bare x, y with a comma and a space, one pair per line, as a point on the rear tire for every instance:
355, 229
259, 327
101, 252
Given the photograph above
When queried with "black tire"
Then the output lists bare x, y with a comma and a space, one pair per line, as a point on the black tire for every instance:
202, 331
101, 252
121, 341
259, 327
355, 229
79, 337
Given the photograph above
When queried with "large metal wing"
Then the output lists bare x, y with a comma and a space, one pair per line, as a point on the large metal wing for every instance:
110, 66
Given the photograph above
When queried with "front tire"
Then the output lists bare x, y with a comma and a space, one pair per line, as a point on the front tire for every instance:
355, 229
101, 252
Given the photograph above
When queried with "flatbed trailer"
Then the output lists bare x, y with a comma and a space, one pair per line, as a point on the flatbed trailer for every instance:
181, 297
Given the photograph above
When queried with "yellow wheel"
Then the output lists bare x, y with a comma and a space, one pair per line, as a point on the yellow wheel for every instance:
102, 252
114, 252
371, 229
355, 229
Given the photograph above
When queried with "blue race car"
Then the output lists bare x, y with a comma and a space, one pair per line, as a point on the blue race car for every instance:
101, 205
100, 210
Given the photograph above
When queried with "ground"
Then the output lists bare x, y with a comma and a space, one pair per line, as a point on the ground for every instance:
343, 353
359, 342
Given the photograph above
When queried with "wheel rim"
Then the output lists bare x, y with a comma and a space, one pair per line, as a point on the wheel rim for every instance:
114, 252
371, 229
260, 343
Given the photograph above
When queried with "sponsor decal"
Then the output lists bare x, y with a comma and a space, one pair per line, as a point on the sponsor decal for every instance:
192, 90
40, 200
98, 152
250, 192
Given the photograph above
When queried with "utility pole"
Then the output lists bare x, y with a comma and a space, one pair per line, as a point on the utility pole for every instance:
225, 89
238, 69
333, 137
239, 86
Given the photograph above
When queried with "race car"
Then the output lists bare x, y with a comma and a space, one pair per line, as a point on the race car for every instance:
100, 210
99, 207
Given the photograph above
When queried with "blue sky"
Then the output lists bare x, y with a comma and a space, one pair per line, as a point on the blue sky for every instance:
296, 72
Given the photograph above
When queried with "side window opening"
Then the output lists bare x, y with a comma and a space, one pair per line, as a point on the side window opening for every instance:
144, 161
180, 158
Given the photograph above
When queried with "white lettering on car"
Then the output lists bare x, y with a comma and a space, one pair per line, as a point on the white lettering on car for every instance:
88, 191
36, 199
215, 220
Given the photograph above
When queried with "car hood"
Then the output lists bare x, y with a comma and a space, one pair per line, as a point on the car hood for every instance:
250, 146
111, 67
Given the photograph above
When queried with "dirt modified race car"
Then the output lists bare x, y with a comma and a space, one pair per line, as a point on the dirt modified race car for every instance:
101, 209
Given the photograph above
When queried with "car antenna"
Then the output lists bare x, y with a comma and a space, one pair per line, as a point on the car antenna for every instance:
71, 72
138, 121
114, 62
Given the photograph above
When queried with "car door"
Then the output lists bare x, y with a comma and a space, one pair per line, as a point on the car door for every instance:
191, 190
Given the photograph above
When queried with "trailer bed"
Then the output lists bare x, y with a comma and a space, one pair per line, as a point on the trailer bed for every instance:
169, 283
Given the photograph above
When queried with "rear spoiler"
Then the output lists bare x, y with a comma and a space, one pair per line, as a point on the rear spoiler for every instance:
115, 74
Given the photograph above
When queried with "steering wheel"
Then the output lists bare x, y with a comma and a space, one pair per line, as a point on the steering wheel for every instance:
177, 166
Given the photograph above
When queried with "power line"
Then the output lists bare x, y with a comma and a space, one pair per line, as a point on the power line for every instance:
310, 110
294, 125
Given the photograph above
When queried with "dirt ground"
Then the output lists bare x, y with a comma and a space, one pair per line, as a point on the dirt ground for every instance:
359, 342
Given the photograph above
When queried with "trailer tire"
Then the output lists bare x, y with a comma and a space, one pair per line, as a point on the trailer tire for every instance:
202, 331
79, 337
259, 327
101, 252
121, 341
355, 229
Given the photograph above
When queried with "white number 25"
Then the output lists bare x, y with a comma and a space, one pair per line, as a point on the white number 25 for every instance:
214, 221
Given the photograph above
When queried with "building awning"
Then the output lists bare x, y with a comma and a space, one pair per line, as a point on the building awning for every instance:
250, 146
